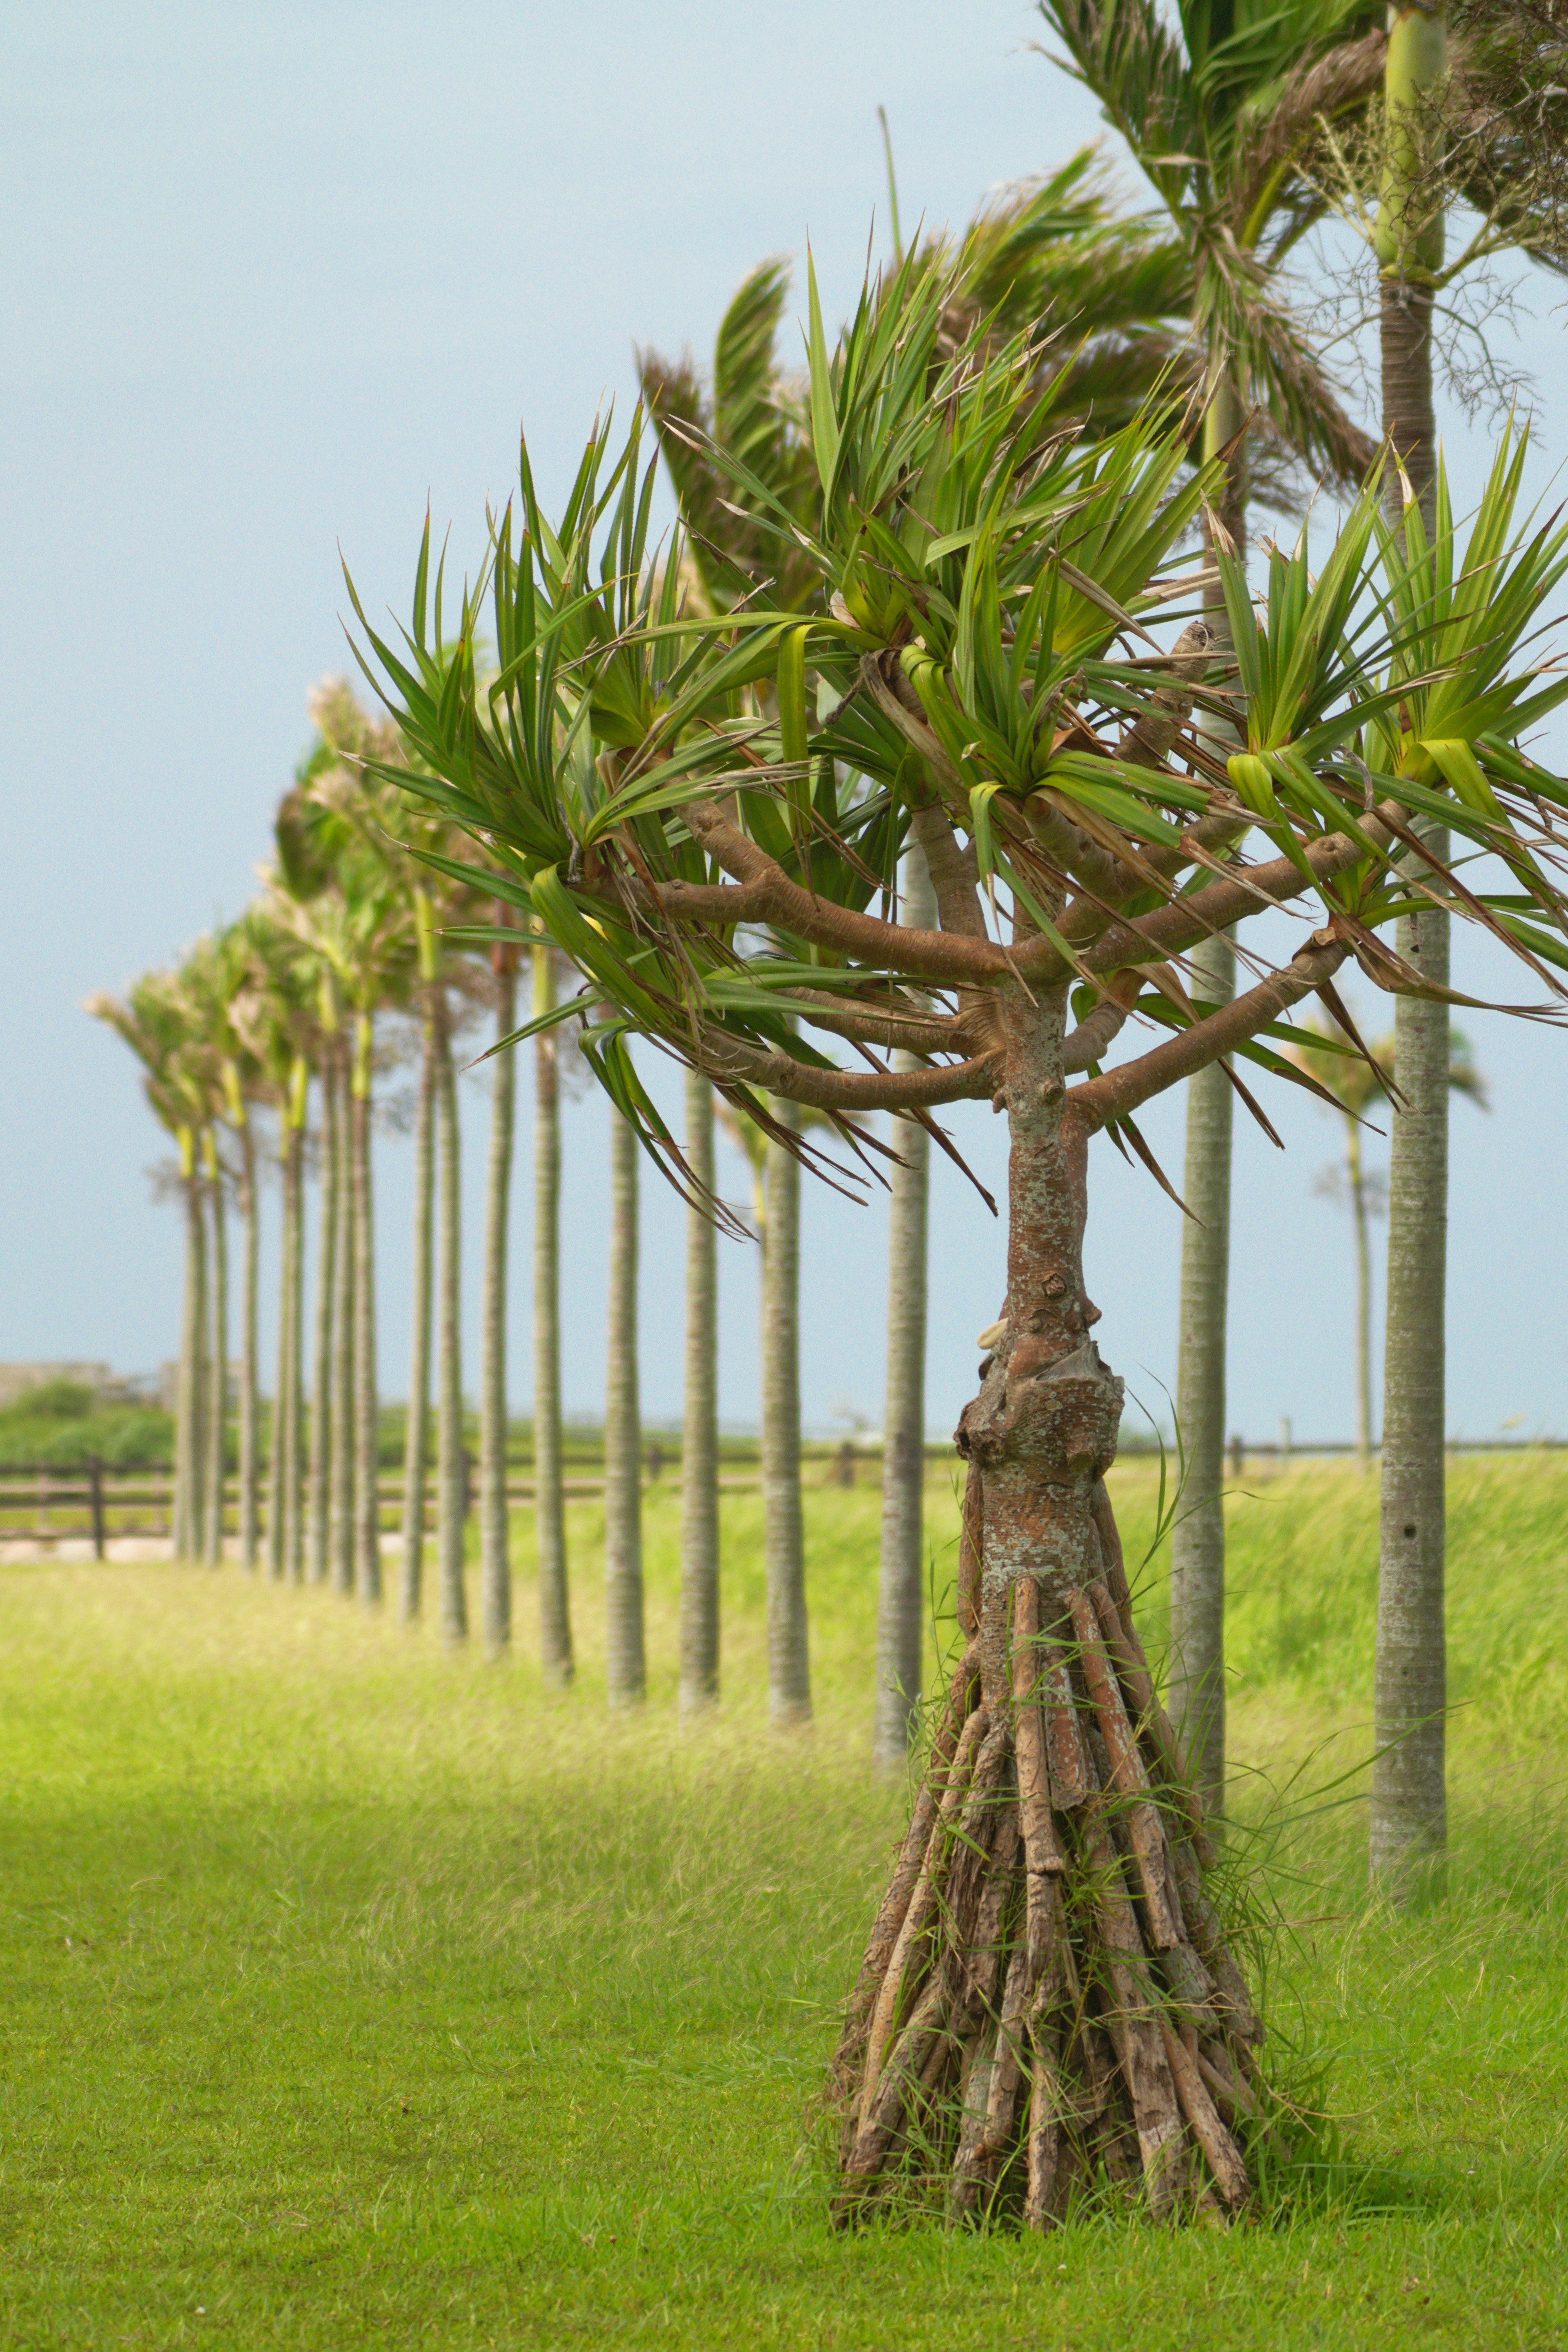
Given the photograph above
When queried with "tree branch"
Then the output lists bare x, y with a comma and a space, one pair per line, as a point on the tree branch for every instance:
730, 1063
772, 896
1119, 1092
918, 1033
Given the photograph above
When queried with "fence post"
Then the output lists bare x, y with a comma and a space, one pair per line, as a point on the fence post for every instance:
95, 1497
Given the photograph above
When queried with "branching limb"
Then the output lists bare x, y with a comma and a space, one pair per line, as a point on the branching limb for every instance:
918, 1033
1089, 1041
1122, 1091
772, 896
730, 1063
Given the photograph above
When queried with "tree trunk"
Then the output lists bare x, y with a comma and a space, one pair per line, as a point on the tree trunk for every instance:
294, 1417
624, 1647
450, 1480
1408, 1826
416, 1429
342, 1495
217, 1385
249, 1498
1197, 1544
320, 1530
277, 1447
899, 1610
495, 1556
187, 1514
1410, 1820
1048, 2005
1363, 1298
789, 1660
366, 1417
700, 1433
549, 1500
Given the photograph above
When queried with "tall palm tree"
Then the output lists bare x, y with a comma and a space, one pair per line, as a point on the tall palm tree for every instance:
549, 1492
495, 1558
625, 1657
901, 1615
155, 1019
1092, 2019
1221, 108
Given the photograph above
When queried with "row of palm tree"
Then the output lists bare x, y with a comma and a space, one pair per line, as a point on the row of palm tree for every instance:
1251, 124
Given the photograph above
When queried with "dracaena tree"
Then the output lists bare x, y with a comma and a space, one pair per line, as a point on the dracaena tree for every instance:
1047, 1992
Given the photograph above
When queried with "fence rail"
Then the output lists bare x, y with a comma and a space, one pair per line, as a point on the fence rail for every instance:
140, 1496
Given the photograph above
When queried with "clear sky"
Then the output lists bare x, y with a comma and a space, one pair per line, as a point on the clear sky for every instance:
276, 274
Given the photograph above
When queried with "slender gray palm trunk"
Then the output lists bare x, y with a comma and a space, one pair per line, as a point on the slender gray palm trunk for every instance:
451, 1480
249, 1381
341, 1481
366, 1414
700, 1426
900, 1611
549, 1497
1408, 1827
294, 1416
784, 1535
1197, 1544
626, 1661
186, 1515
277, 1447
218, 1384
494, 1555
416, 1429
1409, 1811
320, 1512
1362, 1298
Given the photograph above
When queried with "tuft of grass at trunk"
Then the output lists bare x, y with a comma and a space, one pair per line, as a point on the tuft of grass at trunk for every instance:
361, 1993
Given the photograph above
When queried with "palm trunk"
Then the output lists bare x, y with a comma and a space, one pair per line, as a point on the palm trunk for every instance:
1197, 1545
277, 1448
294, 1417
187, 1514
900, 1617
450, 1480
217, 1385
1362, 1299
1047, 2006
249, 1382
1408, 1825
366, 1416
416, 1430
783, 1538
549, 1500
494, 1557
320, 1532
624, 1657
341, 1478
700, 1428
1409, 1814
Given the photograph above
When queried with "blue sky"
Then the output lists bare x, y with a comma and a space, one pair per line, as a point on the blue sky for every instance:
279, 273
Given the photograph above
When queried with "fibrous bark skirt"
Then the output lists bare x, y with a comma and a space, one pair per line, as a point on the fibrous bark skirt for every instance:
1047, 2004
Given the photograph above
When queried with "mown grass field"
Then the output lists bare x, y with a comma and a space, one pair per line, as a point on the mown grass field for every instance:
359, 1993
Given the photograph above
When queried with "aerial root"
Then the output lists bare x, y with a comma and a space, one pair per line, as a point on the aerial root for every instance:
1047, 2002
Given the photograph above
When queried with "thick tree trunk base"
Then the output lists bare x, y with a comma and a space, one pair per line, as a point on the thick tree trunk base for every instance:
1047, 2007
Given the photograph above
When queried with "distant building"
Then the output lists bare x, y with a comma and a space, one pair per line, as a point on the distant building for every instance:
16, 1379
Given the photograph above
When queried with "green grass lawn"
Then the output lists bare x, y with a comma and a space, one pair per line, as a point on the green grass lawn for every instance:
358, 1993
